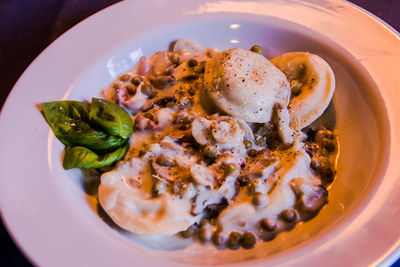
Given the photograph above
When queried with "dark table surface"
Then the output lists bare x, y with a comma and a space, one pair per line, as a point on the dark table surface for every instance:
27, 27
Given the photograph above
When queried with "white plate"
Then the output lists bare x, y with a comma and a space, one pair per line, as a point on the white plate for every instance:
55, 223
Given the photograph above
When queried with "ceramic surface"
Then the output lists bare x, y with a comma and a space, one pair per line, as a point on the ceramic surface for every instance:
57, 224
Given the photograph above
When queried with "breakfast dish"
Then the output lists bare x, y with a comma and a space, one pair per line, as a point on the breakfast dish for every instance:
219, 149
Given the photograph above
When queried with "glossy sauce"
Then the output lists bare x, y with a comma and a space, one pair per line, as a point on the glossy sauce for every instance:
191, 171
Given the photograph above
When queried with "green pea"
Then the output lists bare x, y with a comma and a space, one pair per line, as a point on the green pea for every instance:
247, 241
124, 77
233, 240
247, 144
289, 215
192, 63
230, 169
131, 89
267, 224
218, 238
188, 233
164, 161
153, 94
210, 151
116, 86
257, 49
295, 87
252, 153
174, 58
147, 89
136, 80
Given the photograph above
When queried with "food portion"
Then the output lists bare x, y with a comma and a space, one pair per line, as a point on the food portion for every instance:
95, 135
245, 85
312, 82
219, 150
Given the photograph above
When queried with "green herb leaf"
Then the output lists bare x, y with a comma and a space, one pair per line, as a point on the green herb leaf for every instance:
95, 140
69, 121
81, 157
110, 118
62, 115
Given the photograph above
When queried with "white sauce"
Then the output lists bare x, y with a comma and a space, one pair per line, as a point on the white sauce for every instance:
167, 184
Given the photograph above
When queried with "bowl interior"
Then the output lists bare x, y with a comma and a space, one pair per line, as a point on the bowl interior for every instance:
360, 123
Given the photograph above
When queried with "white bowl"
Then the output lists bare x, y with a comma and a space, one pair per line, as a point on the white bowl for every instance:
357, 227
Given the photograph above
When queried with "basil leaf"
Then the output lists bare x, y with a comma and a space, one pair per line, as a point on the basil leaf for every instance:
63, 115
69, 121
94, 140
81, 157
111, 118
72, 109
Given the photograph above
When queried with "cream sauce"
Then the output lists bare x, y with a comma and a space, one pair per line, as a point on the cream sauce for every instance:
186, 164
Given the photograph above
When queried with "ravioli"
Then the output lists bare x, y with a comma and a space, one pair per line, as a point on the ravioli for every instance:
220, 152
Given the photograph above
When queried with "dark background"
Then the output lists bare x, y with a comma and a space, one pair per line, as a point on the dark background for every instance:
27, 27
